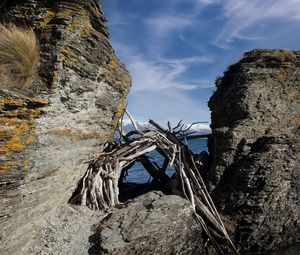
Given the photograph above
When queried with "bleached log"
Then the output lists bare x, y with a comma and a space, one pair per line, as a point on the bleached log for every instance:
133, 121
99, 186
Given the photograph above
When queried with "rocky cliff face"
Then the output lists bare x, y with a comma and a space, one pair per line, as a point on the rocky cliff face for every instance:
46, 133
255, 148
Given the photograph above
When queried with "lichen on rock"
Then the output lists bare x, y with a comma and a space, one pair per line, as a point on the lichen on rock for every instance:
49, 130
255, 148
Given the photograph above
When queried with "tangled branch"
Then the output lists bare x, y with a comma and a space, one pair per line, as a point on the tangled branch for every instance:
99, 187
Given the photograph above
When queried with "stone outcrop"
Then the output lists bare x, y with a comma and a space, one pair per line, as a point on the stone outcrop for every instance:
151, 224
255, 148
70, 231
49, 130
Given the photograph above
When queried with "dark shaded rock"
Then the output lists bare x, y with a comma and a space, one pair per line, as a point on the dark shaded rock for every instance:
49, 130
152, 224
255, 148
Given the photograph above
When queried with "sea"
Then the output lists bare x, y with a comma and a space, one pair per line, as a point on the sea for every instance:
137, 174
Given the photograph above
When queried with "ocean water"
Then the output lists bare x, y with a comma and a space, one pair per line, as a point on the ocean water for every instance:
137, 174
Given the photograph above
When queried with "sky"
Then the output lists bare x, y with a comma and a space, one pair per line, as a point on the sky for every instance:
175, 49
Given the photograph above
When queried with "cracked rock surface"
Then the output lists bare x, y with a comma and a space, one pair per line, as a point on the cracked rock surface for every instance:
255, 149
48, 131
153, 223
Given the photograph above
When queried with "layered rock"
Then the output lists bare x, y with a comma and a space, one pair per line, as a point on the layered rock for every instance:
70, 231
49, 130
151, 224
255, 148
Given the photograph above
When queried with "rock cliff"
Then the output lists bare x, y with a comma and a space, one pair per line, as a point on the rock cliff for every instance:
47, 132
255, 148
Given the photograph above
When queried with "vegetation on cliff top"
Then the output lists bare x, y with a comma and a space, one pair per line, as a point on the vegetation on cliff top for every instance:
19, 57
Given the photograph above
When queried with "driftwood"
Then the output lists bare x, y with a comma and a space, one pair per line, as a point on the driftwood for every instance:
99, 187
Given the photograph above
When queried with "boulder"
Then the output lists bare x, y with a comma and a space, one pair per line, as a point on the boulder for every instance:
47, 131
69, 231
255, 148
152, 224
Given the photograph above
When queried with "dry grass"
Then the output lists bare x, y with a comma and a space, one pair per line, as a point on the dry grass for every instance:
19, 57
284, 55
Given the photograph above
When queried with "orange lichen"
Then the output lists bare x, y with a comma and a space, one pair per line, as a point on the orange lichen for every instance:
86, 26
26, 165
38, 100
120, 86
17, 123
75, 24
29, 139
11, 102
33, 114
61, 57
21, 114
48, 16
71, 13
67, 54
15, 144
6, 166
119, 113
119, 80
15, 130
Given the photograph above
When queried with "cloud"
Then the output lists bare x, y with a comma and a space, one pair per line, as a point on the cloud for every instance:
188, 60
164, 24
161, 90
170, 48
243, 16
206, 2
160, 74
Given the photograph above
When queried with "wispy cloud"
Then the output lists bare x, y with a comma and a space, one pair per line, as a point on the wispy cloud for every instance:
242, 16
206, 2
160, 88
174, 49
164, 24
161, 73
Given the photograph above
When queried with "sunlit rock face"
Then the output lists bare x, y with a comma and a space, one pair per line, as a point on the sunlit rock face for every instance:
255, 148
49, 130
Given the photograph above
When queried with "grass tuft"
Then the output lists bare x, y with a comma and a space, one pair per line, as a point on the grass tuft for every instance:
19, 57
284, 55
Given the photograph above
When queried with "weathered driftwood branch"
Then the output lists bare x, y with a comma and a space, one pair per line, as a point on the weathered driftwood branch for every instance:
133, 122
99, 187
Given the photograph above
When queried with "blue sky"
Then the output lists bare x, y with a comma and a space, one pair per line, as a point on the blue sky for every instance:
174, 49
